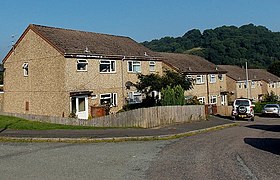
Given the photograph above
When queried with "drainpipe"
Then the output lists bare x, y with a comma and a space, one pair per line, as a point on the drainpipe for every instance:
123, 80
207, 90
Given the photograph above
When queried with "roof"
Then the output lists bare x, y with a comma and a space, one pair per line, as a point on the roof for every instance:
189, 64
239, 74
68, 41
263, 75
234, 72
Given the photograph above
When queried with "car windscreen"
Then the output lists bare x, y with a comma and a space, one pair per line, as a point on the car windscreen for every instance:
271, 106
242, 103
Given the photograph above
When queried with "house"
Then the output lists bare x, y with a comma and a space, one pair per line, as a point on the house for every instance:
56, 72
260, 82
209, 80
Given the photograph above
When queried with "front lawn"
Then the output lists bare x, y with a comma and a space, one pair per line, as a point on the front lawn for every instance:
9, 122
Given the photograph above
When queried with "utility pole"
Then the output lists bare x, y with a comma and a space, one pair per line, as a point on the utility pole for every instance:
247, 79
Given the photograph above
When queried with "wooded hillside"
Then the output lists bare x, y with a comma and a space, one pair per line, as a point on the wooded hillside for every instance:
257, 45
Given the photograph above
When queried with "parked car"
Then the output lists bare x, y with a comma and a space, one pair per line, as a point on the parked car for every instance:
271, 109
243, 108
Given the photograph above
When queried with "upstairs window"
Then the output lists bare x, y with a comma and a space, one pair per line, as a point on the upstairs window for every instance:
82, 65
199, 79
212, 78
152, 65
107, 66
25, 69
134, 66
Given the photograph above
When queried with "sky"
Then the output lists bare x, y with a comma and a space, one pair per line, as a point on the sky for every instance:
142, 20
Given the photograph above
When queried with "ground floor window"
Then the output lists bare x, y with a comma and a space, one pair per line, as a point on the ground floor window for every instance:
134, 97
213, 99
108, 99
201, 100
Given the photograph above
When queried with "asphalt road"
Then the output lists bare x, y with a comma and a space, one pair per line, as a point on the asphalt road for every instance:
251, 151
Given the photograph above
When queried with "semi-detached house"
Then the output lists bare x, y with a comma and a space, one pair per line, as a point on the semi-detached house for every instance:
260, 82
53, 71
209, 81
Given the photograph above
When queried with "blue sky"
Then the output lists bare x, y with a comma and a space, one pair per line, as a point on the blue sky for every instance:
139, 19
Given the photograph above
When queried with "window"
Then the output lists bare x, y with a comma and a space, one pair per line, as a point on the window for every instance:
213, 99
240, 85
134, 66
107, 66
189, 77
134, 97
253, 84
82, 65
220, 76
199, 79
152, 65
212, 78
201, 100
108, 99
245, 85
25, 69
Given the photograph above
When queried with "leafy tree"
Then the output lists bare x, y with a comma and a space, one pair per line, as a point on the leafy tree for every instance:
153, 82
271, 97
168, 96
274, 68
172, 96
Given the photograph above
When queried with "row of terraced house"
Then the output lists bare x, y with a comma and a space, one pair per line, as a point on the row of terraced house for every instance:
54, 72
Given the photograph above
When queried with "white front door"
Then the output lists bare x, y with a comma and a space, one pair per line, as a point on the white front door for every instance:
223, 100
79, 106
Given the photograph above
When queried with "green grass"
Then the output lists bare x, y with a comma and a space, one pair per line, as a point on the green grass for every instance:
9, 122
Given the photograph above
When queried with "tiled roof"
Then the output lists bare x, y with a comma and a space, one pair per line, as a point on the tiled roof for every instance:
239, 74
189, 63
234, 72
74, 41
262, 74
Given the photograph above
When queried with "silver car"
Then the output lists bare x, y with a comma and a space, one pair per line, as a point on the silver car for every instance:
271, 109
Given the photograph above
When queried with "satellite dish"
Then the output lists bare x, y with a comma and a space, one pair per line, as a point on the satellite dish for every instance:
128, 84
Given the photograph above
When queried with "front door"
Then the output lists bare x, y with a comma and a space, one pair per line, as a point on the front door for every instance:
223, 100
79, 106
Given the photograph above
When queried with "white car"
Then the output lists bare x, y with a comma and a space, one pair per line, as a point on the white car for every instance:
271, 109
243, 108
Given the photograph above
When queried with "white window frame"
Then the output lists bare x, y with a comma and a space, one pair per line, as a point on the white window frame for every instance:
199, 79
152, 66
201, 100
112, 97
212, 97
212, 78
25, 68
253, 84
240, 85
82, 61
110, 63
133, 65
132, 99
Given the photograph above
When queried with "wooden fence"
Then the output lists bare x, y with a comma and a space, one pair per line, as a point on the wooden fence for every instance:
144, 117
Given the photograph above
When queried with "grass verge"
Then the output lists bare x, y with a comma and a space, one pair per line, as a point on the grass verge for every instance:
15, 123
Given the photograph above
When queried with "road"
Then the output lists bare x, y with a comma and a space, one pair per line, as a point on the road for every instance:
250, 151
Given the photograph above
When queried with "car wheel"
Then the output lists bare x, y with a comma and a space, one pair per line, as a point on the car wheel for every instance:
252, 119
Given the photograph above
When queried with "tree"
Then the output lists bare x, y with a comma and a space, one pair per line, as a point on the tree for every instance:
153, 82
172, 96
274, 68
271, 97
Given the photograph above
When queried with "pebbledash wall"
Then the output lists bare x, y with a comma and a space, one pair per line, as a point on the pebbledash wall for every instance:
144, 117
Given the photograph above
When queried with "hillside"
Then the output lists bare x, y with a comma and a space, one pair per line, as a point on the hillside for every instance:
257, 45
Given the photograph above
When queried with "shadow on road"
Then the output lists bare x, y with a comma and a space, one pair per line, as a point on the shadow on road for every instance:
273, 128
267, 144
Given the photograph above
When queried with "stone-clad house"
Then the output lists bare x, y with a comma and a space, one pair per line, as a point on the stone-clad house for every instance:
53, 71
209, 81
260, 82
